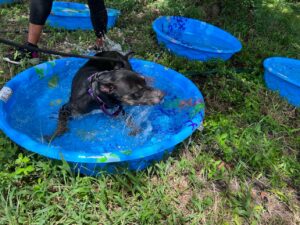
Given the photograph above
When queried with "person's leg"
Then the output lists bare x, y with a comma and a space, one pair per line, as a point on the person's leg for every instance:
98, 17
34, 33
39, 12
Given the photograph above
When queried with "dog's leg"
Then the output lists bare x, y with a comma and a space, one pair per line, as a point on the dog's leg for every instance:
63, 117
129, 123
64, 114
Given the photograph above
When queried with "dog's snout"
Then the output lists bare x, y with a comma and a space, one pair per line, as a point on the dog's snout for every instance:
159, 94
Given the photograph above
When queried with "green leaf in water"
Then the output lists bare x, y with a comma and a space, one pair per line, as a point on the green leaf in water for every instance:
52, 63
112, 155
40, 72
196, 110
126, 152
55, 102
102, 159
53, 82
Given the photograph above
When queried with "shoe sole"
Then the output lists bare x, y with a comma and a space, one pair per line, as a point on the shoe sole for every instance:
34, 61
11, 61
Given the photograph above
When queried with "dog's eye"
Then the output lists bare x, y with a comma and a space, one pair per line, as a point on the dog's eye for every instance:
136, 95
143, 80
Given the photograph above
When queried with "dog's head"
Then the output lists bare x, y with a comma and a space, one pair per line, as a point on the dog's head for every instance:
127, 87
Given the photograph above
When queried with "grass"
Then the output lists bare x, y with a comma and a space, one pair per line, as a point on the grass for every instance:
243, 168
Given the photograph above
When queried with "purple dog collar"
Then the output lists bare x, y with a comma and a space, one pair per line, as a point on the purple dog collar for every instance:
102, 104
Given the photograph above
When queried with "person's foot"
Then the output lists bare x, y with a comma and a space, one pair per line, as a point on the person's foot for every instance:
98, 46
23, 54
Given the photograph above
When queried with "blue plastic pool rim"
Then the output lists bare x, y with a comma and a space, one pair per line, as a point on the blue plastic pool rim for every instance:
110, 11
275, 72
8, 2
168, 38
32, 145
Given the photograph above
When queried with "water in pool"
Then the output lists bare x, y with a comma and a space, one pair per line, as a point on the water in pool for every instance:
34, 111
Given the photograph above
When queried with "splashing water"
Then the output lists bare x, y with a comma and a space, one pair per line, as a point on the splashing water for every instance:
110, 45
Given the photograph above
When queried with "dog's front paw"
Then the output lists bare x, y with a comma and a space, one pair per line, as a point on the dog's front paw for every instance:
134, 132
47, 138
58, 132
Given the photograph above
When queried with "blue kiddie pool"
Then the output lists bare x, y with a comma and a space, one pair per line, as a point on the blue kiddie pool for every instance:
194, 39
74, 16
95, 142
4, 2
283, 75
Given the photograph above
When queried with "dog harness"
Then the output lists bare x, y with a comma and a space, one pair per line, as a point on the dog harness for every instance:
102, 104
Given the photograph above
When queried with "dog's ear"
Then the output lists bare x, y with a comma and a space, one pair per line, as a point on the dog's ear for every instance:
129, 54
149, 80
107, 88
118, 66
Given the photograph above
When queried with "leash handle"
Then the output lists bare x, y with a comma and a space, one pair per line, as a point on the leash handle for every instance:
51, 52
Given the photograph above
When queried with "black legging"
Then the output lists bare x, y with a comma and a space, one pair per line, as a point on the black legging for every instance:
40, 10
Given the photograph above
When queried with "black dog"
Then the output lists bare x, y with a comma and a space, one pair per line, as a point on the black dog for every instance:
106, 85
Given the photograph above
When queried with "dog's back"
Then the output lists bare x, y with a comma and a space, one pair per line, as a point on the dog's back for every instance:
93, 66
109, 65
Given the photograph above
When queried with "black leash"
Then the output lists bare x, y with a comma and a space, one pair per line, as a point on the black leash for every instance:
51, 52
25, 31
20, 31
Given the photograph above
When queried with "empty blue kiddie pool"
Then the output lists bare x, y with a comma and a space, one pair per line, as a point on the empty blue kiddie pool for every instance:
73, 16
95, 142
283, 75
194, 39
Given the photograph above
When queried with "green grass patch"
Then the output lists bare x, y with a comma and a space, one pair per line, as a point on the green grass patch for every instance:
243, 168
